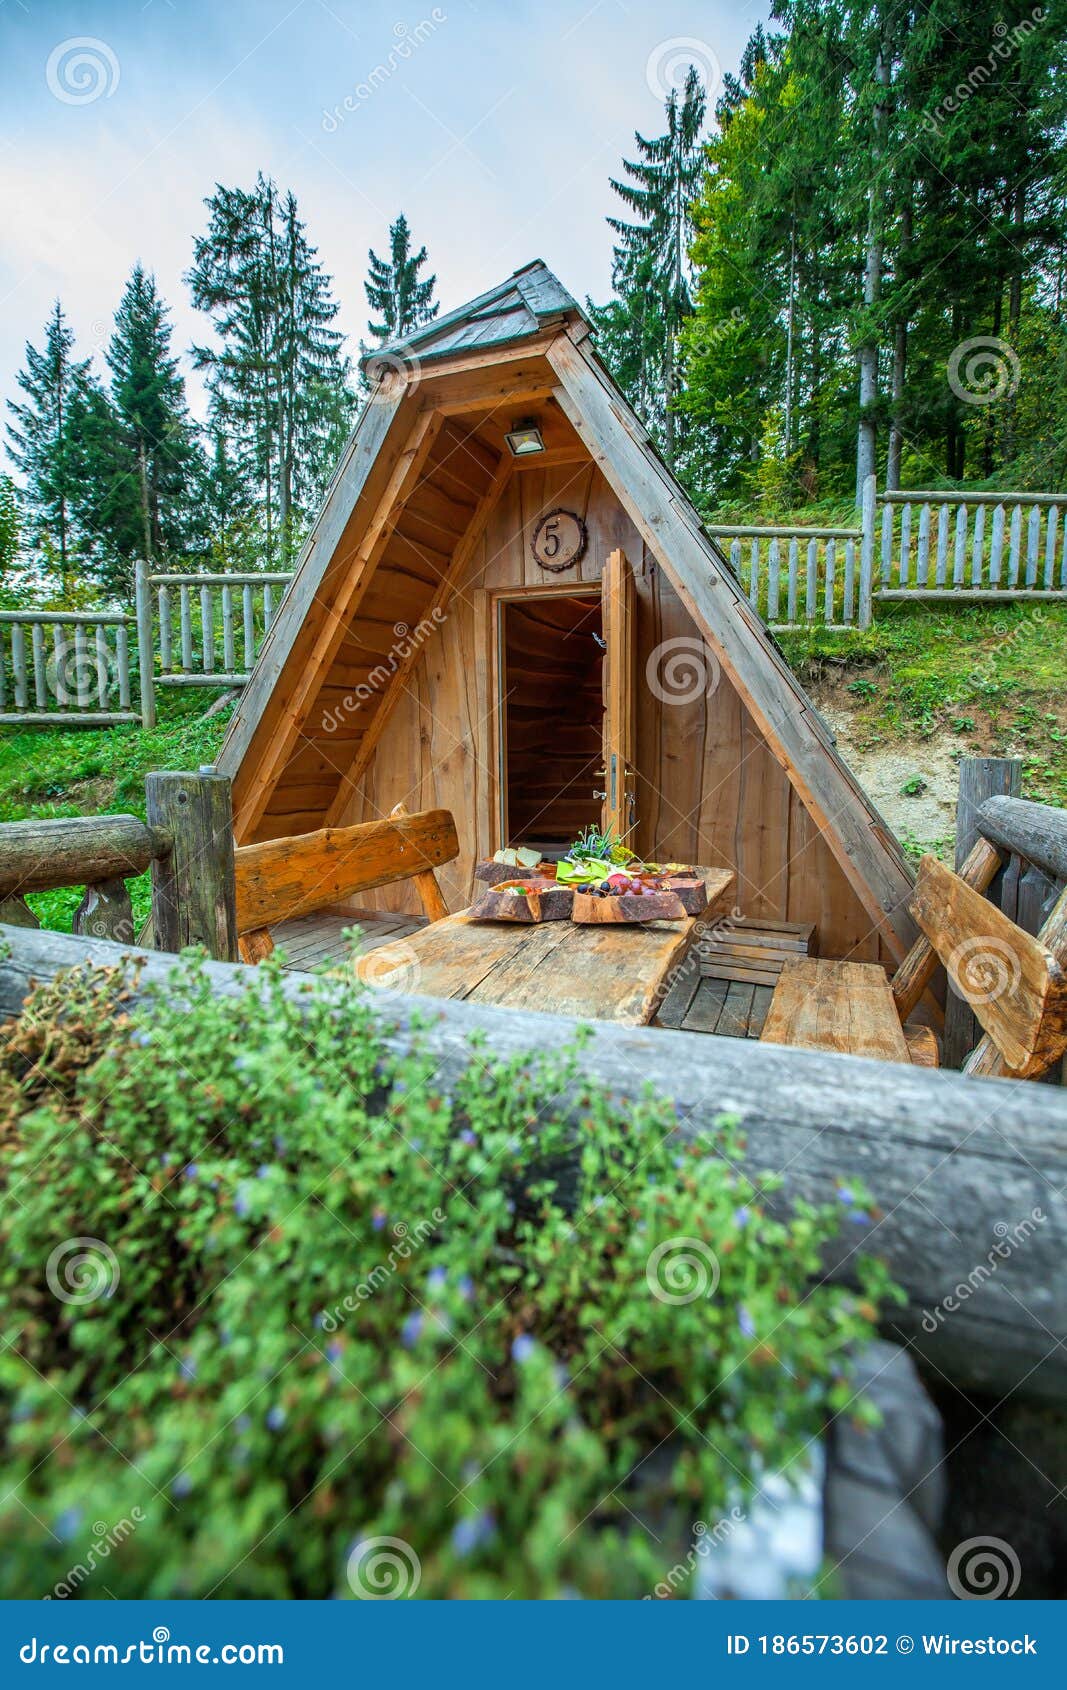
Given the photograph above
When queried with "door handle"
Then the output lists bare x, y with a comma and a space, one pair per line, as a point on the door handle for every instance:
598, 794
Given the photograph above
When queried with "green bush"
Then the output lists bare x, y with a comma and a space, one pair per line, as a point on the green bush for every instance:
270, 1294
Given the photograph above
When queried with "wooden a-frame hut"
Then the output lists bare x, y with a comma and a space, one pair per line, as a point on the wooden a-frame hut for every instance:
431, 651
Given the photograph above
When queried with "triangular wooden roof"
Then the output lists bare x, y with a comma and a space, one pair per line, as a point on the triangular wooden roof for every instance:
407, 506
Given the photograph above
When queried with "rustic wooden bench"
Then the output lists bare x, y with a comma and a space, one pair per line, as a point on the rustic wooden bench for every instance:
281, 879
1015, 982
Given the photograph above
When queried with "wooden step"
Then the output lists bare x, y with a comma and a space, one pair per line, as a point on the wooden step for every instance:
751, 951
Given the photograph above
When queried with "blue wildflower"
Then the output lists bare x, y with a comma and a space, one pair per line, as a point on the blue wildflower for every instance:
276, 1418
742, 1216
859, 1217
141, 1038
68, 1523
523, 1347
378, 1219
468, 1535
262, 1171
468, 1136
466, 1287
182, 1485
334, 1351
191, 1171
437, 1279
188, 1368
409, 1332
844, 1194
745, 1321
241, 1204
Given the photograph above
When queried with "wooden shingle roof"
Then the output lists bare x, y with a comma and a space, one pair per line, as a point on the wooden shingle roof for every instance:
529, 301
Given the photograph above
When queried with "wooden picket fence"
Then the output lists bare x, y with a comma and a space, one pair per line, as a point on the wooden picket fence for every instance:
206, 630
935, 547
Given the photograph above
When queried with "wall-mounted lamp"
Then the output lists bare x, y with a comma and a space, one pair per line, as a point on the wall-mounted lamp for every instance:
524, 439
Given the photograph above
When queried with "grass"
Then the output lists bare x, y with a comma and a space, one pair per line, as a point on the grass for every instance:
56, 772
993, 678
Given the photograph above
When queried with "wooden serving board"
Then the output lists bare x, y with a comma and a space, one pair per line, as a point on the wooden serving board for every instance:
493, 873
591, 911
545, 901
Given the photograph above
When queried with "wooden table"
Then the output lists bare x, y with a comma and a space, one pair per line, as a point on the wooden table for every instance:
592, 973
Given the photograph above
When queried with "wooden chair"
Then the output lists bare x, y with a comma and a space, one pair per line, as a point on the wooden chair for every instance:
281, 879
1015, 983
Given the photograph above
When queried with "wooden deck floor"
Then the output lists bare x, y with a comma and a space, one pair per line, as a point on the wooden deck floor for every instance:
732, 1009
318, 938
695, 1003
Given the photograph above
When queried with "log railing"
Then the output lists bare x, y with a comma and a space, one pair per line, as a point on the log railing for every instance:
207, 628
187, 842
993, 1156
69, 666
796, 577
974, 547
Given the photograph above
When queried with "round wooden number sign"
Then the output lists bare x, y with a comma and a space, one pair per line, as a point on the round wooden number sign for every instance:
559, 540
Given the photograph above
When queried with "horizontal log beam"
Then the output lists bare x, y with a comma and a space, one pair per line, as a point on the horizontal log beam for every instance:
1037, 832
37, 856
967, 595
948, 496
957, 1167
281, 879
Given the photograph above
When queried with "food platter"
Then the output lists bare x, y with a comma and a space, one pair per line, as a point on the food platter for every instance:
609, 888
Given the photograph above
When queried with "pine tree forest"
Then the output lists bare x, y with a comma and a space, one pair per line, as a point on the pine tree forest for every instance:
849, 256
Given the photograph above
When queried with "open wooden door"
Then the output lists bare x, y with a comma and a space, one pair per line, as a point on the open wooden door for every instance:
619, 623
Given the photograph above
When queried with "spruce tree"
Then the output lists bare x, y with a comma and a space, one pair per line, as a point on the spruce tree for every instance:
278, 378
40, 444
149, 505
402, 300
651, 269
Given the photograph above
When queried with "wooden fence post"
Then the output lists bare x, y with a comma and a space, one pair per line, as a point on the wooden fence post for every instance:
145, 644
867, 515
193, 896
980, 778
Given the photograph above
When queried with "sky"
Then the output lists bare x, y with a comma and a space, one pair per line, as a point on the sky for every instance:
493, 124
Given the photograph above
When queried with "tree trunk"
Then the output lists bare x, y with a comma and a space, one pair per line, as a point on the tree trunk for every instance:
867, 440
900, 364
